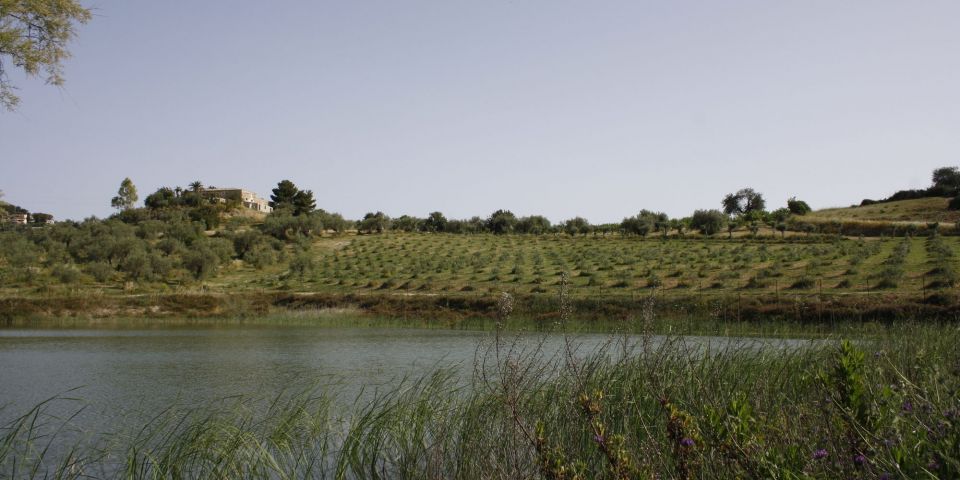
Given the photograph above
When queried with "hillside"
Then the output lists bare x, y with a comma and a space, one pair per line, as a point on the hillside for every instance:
919, 210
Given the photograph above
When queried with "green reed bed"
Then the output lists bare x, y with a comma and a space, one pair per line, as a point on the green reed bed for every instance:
640, 407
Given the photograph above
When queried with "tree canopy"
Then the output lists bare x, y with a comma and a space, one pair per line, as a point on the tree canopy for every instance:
287, 195
126, 196
946, 180
33, 37
743, 201
798, 207
501, 221
708, 222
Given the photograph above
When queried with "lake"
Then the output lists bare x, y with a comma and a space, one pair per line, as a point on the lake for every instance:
125, 375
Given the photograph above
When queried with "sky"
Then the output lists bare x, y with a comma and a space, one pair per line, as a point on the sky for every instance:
553, 107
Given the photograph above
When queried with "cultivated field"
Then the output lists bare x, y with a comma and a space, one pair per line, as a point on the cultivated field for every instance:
423, 264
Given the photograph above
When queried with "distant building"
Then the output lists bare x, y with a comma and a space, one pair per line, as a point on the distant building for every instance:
246, 198
18, 218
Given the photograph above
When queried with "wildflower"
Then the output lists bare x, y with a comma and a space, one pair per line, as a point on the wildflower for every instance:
687, 442
860, 459
933, 465
907, 406
820, 454
885, 476
599, 439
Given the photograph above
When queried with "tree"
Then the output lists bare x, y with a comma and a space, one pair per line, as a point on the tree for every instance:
576, 225
644, 222
731, 226
798, 207
303, 202
164, 197
708, 222
374, 222
946, 181
435, 222
780, 215
331, 221
406, 223
743, 201
501, 222
782, 228
126, 196
41, 218
33, 37
284, 195
196, 186
679, 225
534, 225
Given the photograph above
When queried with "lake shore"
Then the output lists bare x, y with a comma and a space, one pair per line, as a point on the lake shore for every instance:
802, 308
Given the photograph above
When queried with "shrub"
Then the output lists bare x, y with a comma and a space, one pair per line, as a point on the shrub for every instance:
708, 222
137, 266
301, 265
954, 203
100, 271
66, 273
260, 256
222, 247
201, 262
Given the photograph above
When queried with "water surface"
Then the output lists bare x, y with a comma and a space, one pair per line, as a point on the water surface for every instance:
123, 373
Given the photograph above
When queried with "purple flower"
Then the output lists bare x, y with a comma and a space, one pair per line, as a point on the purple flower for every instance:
687, 442
860, 459
885, 476
599, 439
933, 465
820, 454
907, 406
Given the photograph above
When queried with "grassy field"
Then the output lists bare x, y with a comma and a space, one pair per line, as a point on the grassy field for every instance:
919, 210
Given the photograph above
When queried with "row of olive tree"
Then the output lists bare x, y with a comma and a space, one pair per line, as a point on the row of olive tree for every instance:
742, 209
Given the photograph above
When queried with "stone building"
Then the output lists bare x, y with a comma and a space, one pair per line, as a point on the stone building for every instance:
246, 198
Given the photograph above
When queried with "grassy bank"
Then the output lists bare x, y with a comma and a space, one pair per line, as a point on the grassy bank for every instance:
886, 407
455, 308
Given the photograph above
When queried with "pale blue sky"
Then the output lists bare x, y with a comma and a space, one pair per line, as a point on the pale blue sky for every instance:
552, 107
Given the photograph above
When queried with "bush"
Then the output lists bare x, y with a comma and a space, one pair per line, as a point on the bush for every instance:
708, 222
66, 273
100, 271
222, 247
284, 226
954, 203
171, 246
137, 266
201, 262
260, 256
301, 265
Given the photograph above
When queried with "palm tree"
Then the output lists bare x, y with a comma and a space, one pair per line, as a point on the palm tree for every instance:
196, 186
